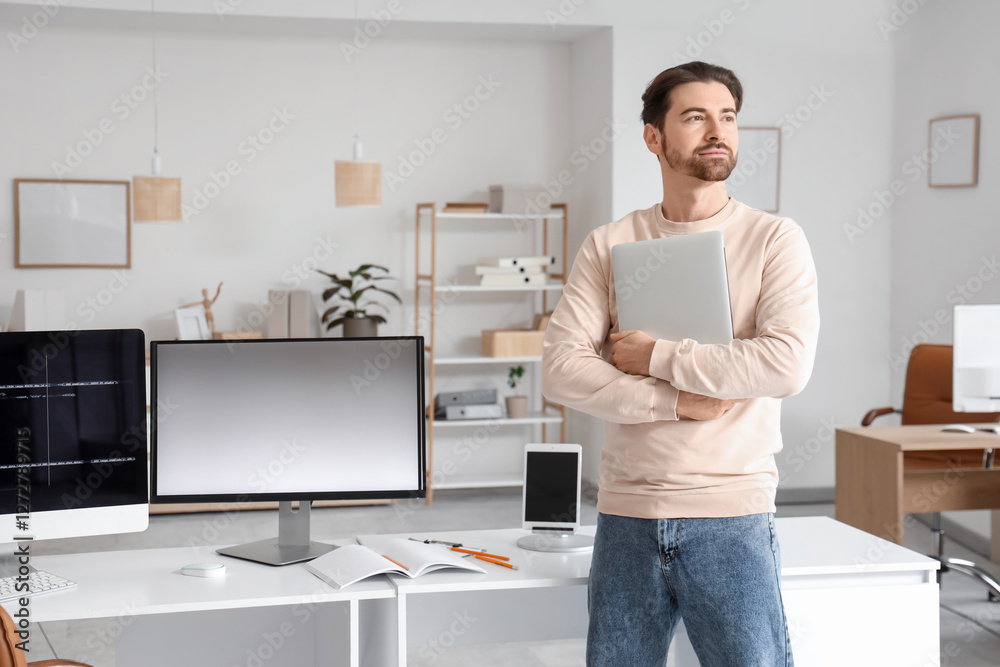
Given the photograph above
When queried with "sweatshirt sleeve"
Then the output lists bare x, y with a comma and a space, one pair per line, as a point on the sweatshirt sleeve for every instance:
575, 374
778, 360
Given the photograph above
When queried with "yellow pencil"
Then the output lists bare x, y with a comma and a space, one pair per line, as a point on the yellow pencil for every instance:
395, 563
479, 553
496, 562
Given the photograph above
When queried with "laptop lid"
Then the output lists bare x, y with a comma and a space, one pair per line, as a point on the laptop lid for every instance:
674, 288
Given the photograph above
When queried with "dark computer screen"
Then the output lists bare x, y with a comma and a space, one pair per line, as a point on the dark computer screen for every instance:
550, 487
72, 430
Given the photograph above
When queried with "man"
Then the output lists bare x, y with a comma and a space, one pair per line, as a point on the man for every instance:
687, 477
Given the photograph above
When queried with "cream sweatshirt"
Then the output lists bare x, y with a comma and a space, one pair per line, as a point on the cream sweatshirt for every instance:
654, 465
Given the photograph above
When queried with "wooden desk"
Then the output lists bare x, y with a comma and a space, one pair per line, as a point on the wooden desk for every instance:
884, 473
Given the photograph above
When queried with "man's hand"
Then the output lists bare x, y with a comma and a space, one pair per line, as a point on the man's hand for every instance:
703, 408
631, 352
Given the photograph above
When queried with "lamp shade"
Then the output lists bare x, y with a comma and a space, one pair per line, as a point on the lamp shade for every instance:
156, 199
358, 183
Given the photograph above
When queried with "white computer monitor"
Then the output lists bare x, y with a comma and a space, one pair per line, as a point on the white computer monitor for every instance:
288, 420
72, 434
976, 358
551, 500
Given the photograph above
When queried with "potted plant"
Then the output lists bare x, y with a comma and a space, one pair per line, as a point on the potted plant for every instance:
517, 405
354, 293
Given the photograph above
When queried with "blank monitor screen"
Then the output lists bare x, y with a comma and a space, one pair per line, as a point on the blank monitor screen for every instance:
550, 492
72, 433
976, 358
288, 419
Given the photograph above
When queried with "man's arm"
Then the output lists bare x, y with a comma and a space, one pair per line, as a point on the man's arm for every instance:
775, 363
573, 372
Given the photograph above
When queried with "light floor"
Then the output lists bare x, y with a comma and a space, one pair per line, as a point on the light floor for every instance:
970, 626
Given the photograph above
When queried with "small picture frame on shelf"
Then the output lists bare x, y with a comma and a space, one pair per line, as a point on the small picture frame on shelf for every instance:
192, 324
953, 150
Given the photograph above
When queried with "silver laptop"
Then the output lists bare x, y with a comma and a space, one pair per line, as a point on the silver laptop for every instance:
674, 288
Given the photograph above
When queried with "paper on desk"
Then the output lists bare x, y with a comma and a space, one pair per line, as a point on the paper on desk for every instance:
354, 562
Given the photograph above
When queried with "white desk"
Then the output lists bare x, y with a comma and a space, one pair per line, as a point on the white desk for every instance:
850, 598
156, 616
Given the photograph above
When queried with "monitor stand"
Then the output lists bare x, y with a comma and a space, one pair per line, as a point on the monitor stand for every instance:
292, 544
562, 541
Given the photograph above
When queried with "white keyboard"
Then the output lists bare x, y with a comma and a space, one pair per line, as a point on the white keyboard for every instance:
38, 582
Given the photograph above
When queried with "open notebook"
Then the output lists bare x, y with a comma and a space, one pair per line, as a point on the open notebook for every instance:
348, 564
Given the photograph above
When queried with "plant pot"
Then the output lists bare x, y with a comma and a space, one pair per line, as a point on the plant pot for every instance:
517, 407
360, 327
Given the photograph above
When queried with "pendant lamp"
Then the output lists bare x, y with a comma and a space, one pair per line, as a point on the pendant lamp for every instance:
357, 183
156, 199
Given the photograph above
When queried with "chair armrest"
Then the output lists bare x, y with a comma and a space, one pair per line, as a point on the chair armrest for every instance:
877, 412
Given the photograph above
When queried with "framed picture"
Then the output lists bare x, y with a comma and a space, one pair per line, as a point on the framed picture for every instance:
953, 150
72, 224
191, 323
755, 180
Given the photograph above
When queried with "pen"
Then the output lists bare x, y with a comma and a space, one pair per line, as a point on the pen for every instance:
395, 563
496, 562
450, 544
479, 553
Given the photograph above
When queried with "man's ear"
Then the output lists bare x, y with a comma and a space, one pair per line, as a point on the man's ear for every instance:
652, 138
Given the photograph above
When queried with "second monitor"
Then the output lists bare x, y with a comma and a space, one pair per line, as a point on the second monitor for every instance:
288, 420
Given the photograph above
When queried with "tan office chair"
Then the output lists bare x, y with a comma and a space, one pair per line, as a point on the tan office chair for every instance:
927, 400
11, 656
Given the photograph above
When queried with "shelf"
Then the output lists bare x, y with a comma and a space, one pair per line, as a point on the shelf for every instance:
498, 288
481, 482
535, 418
447, 361
555, 214
465, 358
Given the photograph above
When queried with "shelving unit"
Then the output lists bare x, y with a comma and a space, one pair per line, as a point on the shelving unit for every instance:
429, 281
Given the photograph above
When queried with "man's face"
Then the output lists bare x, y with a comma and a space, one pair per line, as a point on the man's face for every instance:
700, 138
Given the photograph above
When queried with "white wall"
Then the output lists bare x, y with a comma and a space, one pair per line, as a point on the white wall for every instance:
945, 241
264, 229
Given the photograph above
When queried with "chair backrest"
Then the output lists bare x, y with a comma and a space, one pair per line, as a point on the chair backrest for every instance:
927, 394
10, 655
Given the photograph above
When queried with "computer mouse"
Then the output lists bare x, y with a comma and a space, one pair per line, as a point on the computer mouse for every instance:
208, 569
958, 428
992, 428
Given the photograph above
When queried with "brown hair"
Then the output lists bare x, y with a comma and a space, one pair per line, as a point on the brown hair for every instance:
656, 99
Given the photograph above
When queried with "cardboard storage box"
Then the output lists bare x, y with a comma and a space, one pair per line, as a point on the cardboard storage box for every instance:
517, 199
512, 343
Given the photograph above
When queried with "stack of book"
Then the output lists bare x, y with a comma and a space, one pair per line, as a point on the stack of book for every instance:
502, 271
470, 404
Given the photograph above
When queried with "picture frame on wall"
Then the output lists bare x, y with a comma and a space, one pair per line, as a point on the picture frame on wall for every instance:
756, 180
60, 224
953, 151
192, 323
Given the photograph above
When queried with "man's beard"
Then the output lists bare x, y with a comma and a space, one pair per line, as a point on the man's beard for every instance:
703, 169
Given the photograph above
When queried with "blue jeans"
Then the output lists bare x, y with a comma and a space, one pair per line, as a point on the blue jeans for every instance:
720, 575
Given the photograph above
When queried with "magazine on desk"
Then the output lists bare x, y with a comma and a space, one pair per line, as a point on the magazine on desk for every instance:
354, 562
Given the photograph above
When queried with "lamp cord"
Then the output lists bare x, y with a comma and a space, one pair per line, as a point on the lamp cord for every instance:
357, 83
156, 115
